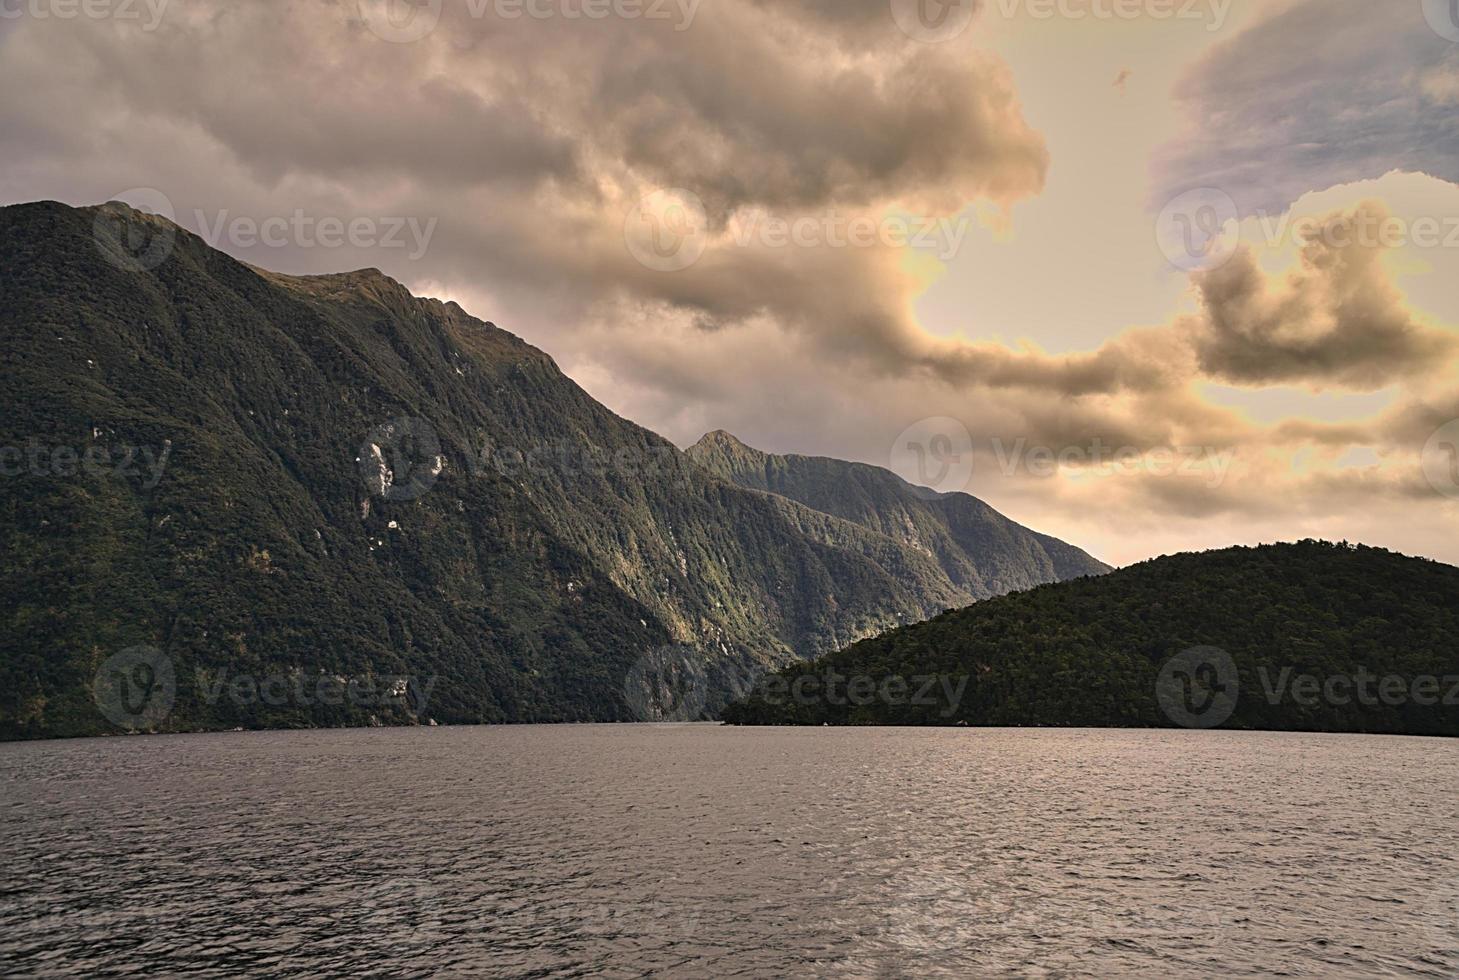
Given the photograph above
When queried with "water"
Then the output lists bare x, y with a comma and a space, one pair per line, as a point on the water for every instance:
696, 850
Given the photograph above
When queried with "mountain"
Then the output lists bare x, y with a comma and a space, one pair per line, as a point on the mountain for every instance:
981, 552
237, 498
1298, 637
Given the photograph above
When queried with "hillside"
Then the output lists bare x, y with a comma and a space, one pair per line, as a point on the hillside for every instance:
1090, 653
981, 552
326, 477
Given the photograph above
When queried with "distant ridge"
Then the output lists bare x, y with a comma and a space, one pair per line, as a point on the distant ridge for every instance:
981, 552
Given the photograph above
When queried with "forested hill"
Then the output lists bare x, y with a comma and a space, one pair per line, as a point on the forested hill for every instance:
1303, 637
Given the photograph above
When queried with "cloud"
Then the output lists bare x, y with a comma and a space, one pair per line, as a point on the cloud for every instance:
1323, 92
532, 141
1336, 320
1440, 84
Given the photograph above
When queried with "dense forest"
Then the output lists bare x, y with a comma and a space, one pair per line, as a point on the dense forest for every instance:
1296, 637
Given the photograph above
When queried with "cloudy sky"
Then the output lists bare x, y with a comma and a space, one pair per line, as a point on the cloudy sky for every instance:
1150, 275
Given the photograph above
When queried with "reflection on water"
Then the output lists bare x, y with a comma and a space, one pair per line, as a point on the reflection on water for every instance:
687, 850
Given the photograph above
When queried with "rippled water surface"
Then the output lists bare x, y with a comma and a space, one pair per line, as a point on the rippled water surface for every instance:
697, 850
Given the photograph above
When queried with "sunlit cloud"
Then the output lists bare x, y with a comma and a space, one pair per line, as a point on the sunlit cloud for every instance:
800, 223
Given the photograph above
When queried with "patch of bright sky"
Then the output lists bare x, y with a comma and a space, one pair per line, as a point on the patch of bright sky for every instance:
1267, 405
1079, 263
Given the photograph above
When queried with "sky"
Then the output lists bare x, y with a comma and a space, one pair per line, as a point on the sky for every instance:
1149, 275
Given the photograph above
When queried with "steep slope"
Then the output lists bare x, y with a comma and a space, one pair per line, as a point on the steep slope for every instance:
286, 479
1305, 637
982, 552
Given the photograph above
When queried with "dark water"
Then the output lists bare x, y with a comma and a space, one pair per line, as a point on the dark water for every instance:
698, 850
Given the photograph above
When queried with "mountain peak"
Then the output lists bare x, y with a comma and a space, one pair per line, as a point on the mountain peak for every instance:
723, 454
721, 439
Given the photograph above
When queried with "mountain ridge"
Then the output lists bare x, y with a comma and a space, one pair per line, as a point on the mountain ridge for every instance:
974, 545
362, 483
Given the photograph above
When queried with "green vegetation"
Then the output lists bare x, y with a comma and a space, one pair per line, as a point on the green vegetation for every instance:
558, 547
1088, 653
978, 551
